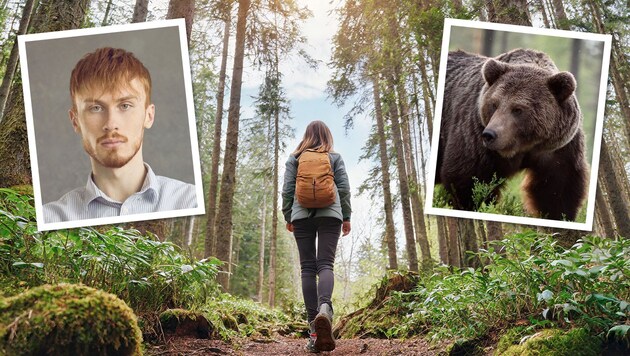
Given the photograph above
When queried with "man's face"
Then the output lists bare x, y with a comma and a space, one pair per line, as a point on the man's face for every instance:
112, 124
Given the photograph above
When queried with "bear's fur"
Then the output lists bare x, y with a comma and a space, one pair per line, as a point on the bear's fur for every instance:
510, 113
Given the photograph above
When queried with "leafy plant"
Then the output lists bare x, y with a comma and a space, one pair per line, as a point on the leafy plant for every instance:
535, 283
148, 274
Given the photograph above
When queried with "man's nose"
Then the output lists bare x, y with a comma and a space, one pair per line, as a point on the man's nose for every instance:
112, 121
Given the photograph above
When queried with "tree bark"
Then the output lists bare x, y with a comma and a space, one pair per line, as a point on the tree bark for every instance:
617, 201
274, 217
414, 188
454, 255
560, 15
182, 9
210, 243
403, 183
261, 247
390, 230
603, 212
15, 164
140, 11
468, 238
543, 11
443, 239
108, 8
513, 12
14, 56
228, 178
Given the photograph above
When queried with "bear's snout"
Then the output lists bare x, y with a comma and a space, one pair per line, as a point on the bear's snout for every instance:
488, 136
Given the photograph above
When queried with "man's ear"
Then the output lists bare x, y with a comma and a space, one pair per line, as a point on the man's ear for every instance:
149, 116
74, 119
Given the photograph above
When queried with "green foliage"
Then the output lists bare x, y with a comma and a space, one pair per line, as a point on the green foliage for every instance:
509, 202
441, 197
146, 273
535, 281
67, 319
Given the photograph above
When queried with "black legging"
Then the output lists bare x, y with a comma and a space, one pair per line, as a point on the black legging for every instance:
317, 263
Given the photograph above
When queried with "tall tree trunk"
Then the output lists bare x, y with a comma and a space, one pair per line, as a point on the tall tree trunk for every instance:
182, 9
412, 174
14, 56
140, 11
261, 247
228, 179
468, 239
543, 11
454, 255
273, 251
443, 239
427, 95
210, 243
603, 212
390, 230
617, 201
108, 8
513, 12
189, 233
495, 233
403, 184
15, 164
560, 15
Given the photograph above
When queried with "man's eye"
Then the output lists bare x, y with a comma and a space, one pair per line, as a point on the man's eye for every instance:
126, 106
96, 108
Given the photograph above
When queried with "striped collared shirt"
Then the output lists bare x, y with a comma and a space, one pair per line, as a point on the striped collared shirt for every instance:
157, 194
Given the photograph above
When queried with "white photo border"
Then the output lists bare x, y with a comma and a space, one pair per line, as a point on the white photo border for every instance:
183, 42
599, 123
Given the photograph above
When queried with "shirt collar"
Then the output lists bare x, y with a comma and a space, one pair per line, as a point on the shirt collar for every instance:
150, 188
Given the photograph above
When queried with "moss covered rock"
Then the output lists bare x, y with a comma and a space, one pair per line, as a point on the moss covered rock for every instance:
378, 316
183, 322
67, 319
557, 342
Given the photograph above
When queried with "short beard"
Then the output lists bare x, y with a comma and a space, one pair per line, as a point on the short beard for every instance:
113, 159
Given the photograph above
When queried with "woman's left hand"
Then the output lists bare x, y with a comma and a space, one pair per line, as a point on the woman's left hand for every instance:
345, 228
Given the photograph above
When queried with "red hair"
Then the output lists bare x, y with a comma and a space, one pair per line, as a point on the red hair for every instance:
107, 70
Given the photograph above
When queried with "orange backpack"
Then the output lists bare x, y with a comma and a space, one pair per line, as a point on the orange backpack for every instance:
315, 181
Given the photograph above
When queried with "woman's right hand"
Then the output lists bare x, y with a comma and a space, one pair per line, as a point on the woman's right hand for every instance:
290, 227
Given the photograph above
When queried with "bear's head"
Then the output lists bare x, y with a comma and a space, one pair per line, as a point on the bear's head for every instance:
525, 108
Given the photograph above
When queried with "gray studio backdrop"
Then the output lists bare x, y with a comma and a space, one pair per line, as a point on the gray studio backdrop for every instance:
63, 164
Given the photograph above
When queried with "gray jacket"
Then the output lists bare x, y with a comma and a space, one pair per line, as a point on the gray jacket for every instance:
340, 209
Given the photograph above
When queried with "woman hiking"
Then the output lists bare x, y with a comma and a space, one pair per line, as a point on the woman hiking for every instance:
316, 207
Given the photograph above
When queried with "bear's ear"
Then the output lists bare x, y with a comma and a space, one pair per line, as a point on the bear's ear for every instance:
562, 85
492, 70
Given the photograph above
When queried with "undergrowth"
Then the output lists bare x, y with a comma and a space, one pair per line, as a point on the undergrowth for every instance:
148, 274
534, 283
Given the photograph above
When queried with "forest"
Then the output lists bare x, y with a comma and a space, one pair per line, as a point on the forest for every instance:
407, 283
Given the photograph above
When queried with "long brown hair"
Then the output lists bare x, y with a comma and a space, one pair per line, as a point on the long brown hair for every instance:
316, 137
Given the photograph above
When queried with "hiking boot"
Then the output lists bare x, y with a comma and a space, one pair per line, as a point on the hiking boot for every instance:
323, 327
312, 336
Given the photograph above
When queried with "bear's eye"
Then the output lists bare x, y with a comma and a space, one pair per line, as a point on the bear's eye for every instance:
517, 111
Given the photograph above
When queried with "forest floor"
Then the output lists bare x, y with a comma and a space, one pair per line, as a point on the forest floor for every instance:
282, 345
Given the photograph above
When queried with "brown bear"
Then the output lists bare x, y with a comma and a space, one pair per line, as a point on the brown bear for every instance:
510, 113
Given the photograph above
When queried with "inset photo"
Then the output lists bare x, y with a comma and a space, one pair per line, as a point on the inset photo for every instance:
111, 124
518, 124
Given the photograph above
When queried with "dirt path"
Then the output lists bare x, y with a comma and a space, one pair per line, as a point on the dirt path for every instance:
290, 346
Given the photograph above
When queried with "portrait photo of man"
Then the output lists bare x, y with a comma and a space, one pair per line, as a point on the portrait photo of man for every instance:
112, 112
